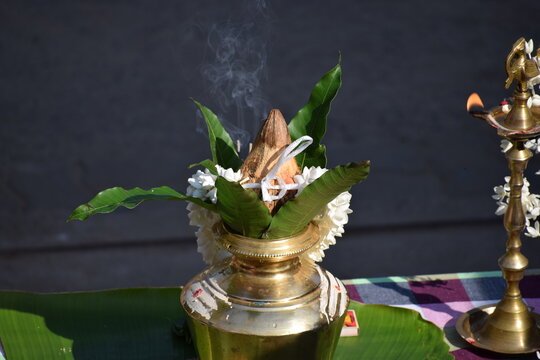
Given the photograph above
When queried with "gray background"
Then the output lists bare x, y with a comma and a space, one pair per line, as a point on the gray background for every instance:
95, 94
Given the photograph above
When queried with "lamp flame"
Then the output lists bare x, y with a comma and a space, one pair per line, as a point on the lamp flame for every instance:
474, 100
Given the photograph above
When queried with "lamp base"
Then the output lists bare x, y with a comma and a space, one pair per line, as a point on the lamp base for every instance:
476, 328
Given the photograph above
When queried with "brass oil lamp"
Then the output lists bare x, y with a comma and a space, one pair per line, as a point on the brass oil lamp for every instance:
509, 327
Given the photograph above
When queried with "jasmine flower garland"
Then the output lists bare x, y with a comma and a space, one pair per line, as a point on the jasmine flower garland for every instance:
202, 185
530, 201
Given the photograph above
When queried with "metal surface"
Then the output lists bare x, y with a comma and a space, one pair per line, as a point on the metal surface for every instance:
521, 69
470, 323
267, 301
510, 327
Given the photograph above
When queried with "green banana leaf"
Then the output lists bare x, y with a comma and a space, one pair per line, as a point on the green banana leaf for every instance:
241, 209
311, 119
137, 324
221, 145
109, 200
295, 214
387, 332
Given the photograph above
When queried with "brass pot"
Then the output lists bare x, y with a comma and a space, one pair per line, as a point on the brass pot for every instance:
267, 301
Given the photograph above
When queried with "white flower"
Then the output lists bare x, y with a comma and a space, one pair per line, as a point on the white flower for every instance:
207, 243
534, 81
505, 145
333, 217
308, 176
229, 174
530, 203
500, 192
531, 144
202, 185
529, 46
501, 209
533, 231
535, 99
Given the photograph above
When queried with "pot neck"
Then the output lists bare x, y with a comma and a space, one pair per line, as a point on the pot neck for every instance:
271, 253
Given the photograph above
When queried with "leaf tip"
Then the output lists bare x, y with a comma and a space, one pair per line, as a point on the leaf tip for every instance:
75, 215
199, 105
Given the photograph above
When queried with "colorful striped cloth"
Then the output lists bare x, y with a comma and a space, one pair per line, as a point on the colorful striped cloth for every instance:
441, 299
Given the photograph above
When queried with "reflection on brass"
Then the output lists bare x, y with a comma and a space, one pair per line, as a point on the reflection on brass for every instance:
268, 301
472, 322
510, 327
520, 69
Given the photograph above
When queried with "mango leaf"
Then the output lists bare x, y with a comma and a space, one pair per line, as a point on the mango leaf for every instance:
311, 119
295, 214
138, 324
241, 209
208, 164
222, 147
109, 200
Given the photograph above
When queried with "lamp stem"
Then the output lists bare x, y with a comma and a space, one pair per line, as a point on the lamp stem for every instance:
513, 262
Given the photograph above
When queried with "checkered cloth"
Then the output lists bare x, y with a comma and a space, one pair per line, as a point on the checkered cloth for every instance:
441, 299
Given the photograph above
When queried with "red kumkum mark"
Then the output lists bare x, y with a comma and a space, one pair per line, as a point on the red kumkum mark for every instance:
470, 340
197, 293
338, 288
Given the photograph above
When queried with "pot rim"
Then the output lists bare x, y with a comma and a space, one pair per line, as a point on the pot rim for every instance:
269, 249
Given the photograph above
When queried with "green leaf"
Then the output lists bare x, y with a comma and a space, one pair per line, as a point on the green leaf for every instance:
208, 164
106, 325
222, 147
241, 209
137, 324
295, 214
392, 333
311, 119
109, 200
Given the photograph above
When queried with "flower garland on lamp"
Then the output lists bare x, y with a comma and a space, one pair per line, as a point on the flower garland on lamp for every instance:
530, 201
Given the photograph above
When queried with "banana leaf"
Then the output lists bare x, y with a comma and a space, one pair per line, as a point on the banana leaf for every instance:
140, 323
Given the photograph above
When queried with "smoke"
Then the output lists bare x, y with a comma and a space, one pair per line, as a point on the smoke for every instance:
236, 71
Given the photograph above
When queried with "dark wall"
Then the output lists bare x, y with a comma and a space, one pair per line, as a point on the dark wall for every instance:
95, 94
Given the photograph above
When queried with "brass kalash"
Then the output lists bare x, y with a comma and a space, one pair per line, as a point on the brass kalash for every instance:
510, 327
267, 302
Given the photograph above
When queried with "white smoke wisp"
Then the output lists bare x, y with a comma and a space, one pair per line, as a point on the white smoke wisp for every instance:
236, 72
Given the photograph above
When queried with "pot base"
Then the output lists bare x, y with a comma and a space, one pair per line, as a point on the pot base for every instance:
215, 344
